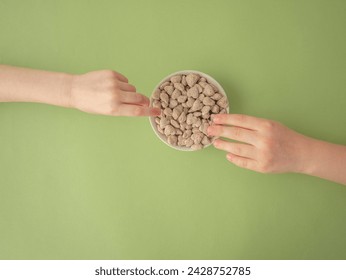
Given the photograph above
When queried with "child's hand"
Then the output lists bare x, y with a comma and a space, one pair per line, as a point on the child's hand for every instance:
108, 93
267, 147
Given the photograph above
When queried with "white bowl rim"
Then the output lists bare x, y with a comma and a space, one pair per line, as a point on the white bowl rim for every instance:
167, 78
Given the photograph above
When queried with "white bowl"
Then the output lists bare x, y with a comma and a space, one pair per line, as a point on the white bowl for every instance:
184, 72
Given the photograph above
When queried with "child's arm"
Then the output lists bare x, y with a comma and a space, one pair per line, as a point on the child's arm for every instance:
101, 92
270, 147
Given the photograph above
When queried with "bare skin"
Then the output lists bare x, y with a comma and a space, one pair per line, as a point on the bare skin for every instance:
102, 92
266, 146
269, 147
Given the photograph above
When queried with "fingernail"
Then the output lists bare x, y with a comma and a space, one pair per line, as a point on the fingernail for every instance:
209, 131
215, 118
216, 143
229, 157
156, 111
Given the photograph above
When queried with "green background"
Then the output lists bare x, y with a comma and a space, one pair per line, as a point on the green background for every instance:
79, 186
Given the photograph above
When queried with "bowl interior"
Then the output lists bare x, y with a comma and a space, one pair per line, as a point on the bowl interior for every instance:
183, 72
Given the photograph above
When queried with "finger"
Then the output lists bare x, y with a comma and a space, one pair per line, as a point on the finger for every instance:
120, 77
234, 133
242, 161
127, 87
238, 149
134, 98
237, 120
137, 111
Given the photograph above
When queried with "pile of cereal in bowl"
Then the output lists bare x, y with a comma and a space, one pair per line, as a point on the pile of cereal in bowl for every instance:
187, 100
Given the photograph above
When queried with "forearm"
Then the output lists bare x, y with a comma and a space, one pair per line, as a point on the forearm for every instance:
27, 85
325, 160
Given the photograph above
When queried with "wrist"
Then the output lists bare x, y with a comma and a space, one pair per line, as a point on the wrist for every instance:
306, 155
66, 96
